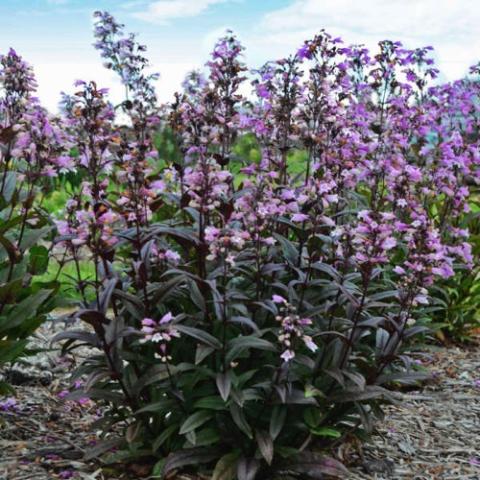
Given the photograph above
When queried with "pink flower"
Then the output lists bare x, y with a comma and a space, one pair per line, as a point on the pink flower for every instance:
8, 404
158, 185
287, 355
311, 345
389, 243
166, 318
174, 257
63, 394
269, 241
66, 474
278, 299
299, 217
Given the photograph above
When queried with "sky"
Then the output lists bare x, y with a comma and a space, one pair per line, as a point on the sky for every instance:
55, 36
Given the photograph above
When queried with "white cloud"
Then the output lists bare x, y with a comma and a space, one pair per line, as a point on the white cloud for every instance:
374, 17
56, 77
451, 26
162, 11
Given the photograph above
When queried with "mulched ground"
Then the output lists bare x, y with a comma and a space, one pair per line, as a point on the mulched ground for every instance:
435, 434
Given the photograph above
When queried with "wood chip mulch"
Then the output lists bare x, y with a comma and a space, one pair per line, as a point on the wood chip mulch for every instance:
435, 434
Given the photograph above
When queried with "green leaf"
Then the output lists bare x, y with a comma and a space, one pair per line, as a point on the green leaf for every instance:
289, 250
12, 252
316, 466
6, 389
240, 420
132, 432
80, 335
5, 226
189, 456
38, 260
161, 291
224, 384
210, 403
207, 437
226, 467
200, 335
9, 186
247, 468
31, 237
156, 407
164, 436
242, 320
237, 345
277, 420
311, 391
9, 291
157, 471
202, 352
265, 445
196, 295
177, 233
25, 310
328, 269
312, 417
194, 421
11, 349
326, 432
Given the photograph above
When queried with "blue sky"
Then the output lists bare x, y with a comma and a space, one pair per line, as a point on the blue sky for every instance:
55, 35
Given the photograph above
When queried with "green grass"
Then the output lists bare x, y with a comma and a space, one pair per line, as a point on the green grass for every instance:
55, 202
68, 276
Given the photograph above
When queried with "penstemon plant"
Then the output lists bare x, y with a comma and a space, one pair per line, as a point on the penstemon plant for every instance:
34, 150
244, 315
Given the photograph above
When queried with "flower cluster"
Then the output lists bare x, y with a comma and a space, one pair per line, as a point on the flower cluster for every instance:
160, 333
373, 237
225, 243
126, 57
292, 329
18, 85
207, 184
42, 144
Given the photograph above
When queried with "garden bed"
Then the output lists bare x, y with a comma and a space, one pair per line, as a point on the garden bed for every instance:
434, 434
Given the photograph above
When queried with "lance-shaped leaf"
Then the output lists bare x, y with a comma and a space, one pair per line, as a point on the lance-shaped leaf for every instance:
239, 344
190, 456
265, 445
224, 384
226, 467
195, 420
200, 335
247, 468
